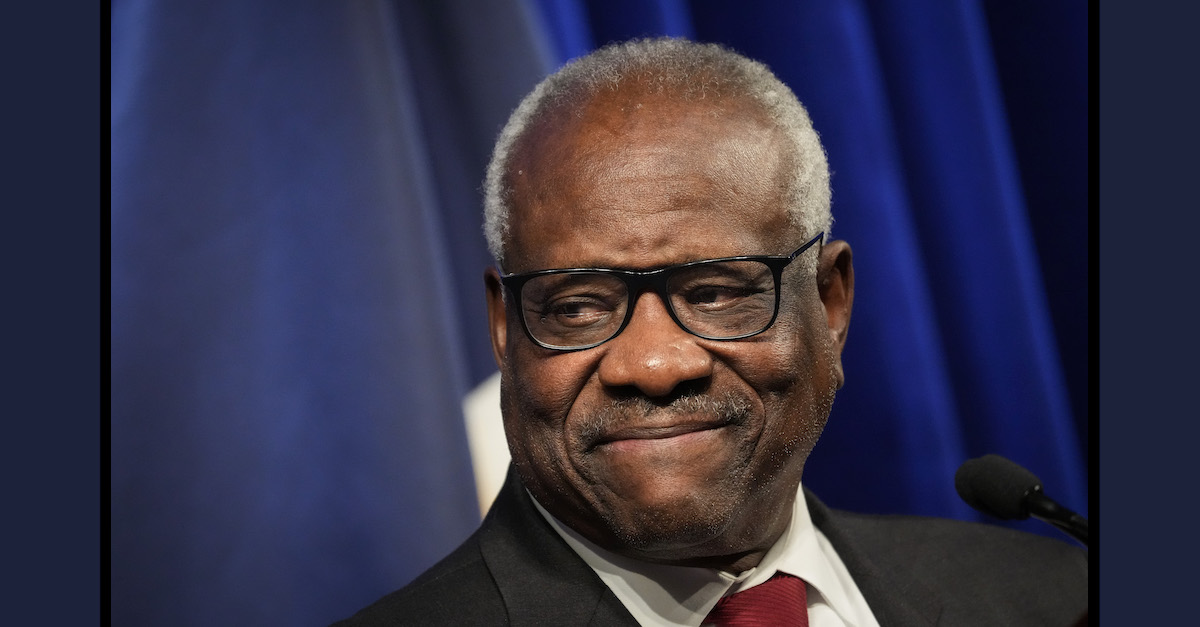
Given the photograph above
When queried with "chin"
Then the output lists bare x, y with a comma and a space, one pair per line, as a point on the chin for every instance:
674, 530
719, 515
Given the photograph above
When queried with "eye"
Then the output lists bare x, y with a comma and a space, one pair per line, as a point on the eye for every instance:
573, 300
726, 287
717, 295
575, 311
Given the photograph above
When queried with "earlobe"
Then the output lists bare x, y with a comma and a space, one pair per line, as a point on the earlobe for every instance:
497, 315
835, 283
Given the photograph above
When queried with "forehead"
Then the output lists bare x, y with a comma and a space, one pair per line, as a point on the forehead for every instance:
637, 179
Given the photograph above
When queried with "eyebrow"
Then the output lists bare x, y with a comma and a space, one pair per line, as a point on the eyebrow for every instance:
653, 268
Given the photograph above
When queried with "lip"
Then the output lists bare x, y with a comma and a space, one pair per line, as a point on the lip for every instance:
672, 440
655, 433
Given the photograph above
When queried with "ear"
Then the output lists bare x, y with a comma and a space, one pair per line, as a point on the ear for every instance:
835, 283
497, 315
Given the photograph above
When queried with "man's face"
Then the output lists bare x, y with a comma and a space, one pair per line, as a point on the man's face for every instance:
659, 444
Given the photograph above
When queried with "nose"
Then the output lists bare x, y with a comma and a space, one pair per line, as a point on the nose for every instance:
653, 354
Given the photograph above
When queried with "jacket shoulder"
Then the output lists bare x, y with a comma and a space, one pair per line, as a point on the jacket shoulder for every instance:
983, 574
458, 590
938, 541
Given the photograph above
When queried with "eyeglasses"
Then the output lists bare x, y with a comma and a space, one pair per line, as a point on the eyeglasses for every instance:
717, 299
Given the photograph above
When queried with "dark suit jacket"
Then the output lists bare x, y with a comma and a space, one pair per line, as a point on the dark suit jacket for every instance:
516, 570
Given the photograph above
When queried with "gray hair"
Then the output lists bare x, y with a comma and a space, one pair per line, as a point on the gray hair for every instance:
683, 68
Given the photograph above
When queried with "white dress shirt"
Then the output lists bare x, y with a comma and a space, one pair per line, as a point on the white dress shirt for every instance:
657, 594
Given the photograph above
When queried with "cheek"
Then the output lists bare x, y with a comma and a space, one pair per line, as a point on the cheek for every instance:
779, 364
538, 393
539, 390
790, 372
802, 343
546, 384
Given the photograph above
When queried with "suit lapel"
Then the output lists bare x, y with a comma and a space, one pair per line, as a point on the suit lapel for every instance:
542, 581
540, 578
895, 599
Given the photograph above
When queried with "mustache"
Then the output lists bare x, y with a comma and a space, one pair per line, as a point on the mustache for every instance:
718, 409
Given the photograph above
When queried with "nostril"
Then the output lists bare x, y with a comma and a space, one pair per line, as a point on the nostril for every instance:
684, 389
691, 387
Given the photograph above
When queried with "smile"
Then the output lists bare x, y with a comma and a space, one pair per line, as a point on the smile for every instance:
634, 438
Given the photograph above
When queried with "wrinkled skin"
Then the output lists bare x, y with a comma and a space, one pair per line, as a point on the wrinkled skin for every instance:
660, 445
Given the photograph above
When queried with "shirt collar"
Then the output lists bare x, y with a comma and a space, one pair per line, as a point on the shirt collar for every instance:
659, 594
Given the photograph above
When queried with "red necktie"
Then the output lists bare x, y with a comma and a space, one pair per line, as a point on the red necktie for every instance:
780, 601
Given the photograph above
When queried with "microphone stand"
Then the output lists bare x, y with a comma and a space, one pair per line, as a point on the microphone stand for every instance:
1047, 510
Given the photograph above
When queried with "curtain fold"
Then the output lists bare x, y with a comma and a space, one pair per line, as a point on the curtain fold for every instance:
288, 363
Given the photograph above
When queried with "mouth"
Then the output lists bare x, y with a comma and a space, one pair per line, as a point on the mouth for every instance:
640, 423
688, 438
657, 432
650, 435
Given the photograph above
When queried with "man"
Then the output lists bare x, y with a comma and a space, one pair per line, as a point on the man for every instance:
668, 319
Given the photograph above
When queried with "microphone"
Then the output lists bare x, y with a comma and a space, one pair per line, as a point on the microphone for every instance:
1000, 488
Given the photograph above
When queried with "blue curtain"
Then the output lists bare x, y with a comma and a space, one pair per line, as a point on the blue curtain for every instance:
296, 293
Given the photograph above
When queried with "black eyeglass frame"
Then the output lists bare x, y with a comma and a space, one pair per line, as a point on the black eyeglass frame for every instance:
638, 281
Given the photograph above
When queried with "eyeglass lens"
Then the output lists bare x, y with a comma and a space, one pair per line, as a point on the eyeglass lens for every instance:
718, 300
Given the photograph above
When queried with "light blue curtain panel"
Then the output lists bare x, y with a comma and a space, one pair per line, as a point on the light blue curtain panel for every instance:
297, 299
